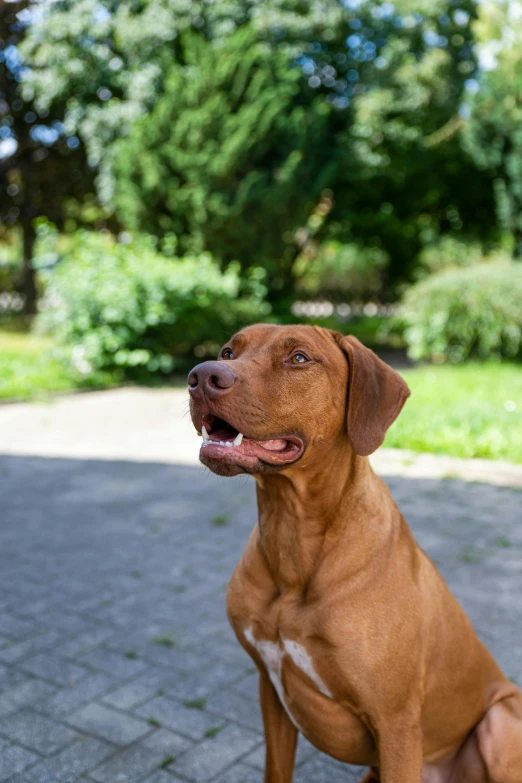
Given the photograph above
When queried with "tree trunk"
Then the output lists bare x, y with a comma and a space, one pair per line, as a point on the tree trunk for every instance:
281, 290
28, 272
517, 236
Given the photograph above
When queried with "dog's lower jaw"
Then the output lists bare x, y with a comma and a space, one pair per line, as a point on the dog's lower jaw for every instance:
221, 468
229, 464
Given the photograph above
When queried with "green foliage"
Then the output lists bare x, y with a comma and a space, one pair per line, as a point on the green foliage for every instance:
493, 134
9, 274
448, 252
30, 368
408, 180
229, 157
344, 271
43, 168
128, 308
470, 410
109, 59
227, 122
470, 312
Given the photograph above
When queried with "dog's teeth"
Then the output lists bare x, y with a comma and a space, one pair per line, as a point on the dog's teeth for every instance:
228, 443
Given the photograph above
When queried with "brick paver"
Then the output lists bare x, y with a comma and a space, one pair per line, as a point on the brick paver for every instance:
117, 664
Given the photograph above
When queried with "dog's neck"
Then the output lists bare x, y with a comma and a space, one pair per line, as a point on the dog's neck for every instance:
309, 511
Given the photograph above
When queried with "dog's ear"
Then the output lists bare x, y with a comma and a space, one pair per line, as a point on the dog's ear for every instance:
376, 394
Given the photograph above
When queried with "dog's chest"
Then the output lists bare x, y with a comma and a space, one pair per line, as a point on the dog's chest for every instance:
287, 639
275, 654
304, 686
278, 630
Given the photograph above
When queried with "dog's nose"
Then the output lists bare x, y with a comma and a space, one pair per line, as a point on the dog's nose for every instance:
210, 379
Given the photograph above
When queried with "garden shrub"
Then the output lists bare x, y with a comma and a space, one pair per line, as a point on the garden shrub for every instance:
130, 309
466, 312
10, 266
447, 252
346, 271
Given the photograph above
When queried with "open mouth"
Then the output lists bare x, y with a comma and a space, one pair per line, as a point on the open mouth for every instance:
223, 442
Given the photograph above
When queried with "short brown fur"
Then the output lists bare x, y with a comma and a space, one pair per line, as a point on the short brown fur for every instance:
332, 565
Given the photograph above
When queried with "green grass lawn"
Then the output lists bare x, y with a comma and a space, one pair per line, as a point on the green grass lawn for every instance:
473, 410
27, 368
30, 370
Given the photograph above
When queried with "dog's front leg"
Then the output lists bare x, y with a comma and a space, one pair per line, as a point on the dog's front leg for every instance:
280, 734
400, 749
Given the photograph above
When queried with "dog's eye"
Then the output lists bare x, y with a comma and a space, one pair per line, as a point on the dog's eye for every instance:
298, 358
226, 353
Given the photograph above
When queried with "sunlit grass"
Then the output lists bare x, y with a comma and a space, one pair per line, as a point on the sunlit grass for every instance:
473, 410
29, 369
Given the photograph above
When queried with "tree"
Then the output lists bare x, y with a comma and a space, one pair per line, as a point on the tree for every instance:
412, 181
112, 61
255, 130
232, 157
493, 133
41, 166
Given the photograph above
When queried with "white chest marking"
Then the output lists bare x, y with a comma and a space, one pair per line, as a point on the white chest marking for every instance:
304, 662
272, 655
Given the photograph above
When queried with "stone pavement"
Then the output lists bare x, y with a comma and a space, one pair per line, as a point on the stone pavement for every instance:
117, 664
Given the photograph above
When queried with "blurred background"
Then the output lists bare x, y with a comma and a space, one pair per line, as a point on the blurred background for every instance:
170, 171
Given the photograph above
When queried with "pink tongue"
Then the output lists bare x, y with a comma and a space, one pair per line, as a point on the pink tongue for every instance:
273, 445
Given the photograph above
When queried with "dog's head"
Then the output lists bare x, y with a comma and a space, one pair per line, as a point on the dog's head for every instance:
278, 395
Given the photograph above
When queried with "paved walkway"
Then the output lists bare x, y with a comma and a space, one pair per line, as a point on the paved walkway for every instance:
117, 664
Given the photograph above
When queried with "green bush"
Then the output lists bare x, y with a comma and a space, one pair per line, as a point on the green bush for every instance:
346, 271
132, 310
10, 273
447, 252
467, 312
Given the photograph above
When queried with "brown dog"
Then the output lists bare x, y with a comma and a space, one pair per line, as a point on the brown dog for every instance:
358, 641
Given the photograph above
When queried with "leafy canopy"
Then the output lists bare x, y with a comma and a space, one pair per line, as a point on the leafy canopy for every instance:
493, 133
230, 156
255, 130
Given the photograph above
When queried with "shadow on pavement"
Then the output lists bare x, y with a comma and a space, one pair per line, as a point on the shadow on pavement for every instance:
115, 650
